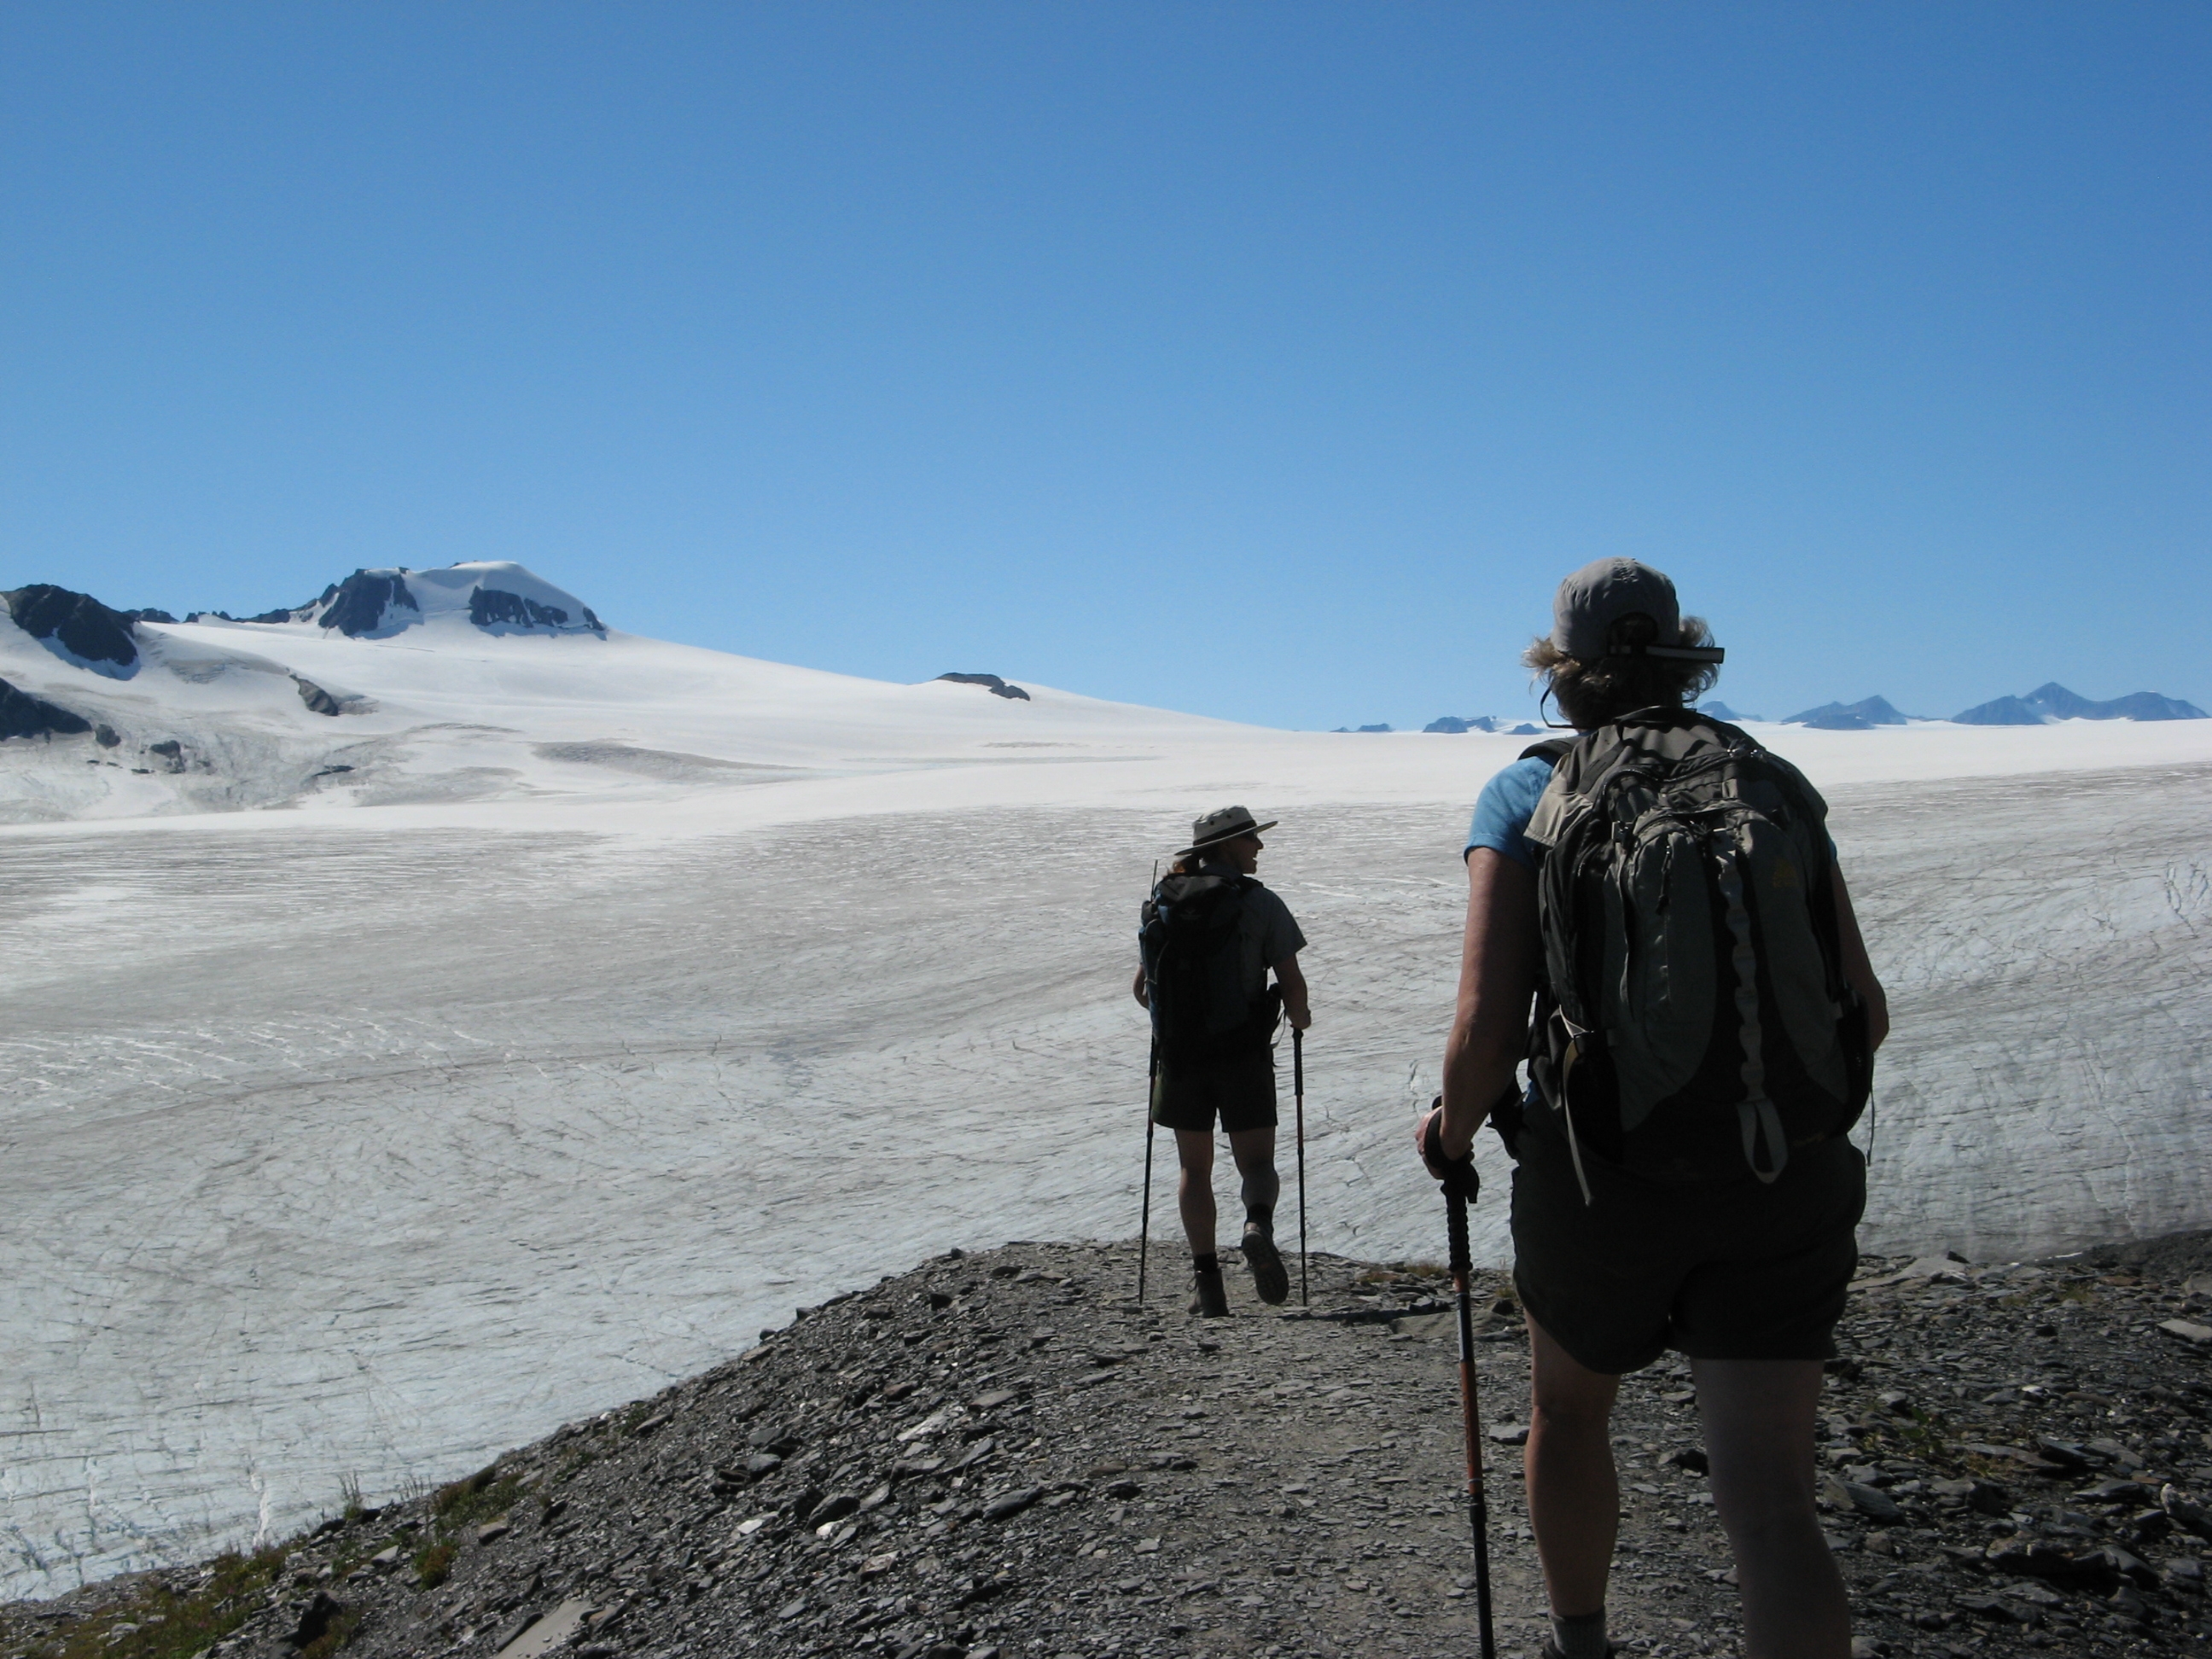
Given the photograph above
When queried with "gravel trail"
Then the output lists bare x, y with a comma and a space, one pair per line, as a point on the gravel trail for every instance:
1002, 1453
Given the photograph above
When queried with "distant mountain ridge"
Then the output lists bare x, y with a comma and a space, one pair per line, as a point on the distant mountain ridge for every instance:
2053, 702
1861, 716
2047, 702
1455, 723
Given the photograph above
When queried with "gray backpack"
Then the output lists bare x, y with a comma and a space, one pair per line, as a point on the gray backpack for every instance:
1693, 1019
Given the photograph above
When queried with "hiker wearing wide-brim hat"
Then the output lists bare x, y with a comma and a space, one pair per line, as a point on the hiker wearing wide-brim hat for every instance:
1210, 934
1682, 1175
1218, 828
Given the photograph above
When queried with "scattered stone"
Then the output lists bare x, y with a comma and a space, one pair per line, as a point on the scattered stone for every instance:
1992, 1607
1873, 1502
541, 1635
1012, 1503
2063, 1452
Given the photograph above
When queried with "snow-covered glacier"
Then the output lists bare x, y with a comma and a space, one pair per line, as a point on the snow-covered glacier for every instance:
357, 1140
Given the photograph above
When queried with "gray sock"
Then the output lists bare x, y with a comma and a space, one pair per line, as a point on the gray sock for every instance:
1582, 1637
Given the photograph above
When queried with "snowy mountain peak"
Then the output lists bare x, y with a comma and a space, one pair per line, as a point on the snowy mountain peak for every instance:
495, 595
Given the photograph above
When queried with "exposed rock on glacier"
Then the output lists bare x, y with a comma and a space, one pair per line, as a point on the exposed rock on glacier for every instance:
76, 628
22, 715
997, 687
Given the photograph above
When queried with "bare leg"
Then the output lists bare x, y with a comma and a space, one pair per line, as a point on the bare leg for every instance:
1194, 1192
1574, 1495
1254, 1153
1758, 1416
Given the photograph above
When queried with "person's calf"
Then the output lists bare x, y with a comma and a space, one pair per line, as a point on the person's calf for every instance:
1260, 1189
1574, 1493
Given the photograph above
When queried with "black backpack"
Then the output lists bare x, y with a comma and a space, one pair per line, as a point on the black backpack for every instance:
1694, 1018
1194, 949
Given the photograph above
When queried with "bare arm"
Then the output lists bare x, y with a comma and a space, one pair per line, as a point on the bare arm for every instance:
1293, 981
1137, 990
1497, 978
1858, 969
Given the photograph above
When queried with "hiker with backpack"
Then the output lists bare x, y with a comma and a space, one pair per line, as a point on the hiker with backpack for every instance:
1210, 935
1656, 921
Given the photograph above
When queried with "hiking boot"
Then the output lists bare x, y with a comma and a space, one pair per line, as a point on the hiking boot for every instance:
1268, 1277
1209, 1298
1551, 1651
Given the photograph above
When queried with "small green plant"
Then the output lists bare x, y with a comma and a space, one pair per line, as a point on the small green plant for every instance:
1924, 1437
349, 1492
435, 1565
483, 1494
159, 1624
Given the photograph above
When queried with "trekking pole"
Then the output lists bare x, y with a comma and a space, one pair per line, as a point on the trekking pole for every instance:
1145, 1216
1459, 1186
1151, 1081
1299, 1086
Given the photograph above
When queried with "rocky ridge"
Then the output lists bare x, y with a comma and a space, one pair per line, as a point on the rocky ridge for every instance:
1004, 1455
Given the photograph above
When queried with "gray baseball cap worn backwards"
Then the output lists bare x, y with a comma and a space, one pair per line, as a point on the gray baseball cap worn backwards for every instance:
1225, 825
1618, 608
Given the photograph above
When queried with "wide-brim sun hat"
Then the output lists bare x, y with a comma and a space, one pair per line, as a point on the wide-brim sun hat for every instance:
1622, 608
1224, 824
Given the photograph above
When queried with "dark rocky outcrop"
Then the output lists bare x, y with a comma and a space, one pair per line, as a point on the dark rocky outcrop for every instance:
1863, 715
1472, 723
492, 607
357, 605
321, 701
1720, 711
22, 715
77, 627
2053, 702
997, 687
148, 615
1364, 728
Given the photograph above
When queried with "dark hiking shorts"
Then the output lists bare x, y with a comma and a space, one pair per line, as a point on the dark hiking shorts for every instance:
1721, 1270
1241, 1090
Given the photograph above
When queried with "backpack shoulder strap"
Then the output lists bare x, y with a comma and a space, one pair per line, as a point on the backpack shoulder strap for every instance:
1550, 750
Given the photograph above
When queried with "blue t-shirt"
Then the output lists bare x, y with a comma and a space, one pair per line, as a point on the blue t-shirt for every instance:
1502, 812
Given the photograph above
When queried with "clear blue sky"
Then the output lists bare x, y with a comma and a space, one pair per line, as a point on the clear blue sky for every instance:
1267, 361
